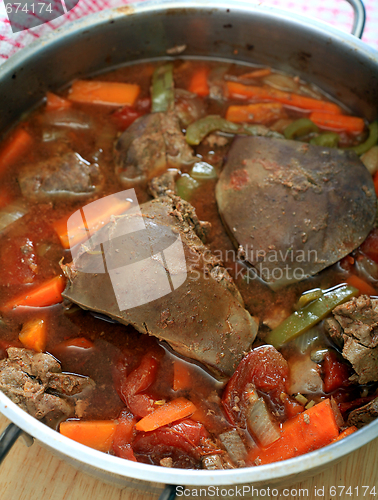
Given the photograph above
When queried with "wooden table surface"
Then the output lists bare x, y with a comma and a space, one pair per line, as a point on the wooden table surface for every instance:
35, 474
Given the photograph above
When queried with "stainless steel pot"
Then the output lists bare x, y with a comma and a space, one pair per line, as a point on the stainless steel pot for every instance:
339, 63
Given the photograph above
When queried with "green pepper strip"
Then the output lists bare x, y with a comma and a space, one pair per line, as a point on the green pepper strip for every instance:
299, 128
370, 141
162, 92
302, 320
328, 140
198, 130
308, 297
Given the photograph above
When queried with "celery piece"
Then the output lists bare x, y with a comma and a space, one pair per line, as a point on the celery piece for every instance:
202, 171
370, 141
300, 321
185, 186
198, 130
308, 297
328, 140
299, 128
162, 92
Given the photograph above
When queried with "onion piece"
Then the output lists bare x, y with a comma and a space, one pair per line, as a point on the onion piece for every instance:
11, 213
234, 445
306, 340
261, 423
281, 82
370, 160
304, 376
367, 268
68, 118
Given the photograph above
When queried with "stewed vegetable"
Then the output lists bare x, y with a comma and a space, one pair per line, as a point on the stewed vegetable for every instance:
189, 265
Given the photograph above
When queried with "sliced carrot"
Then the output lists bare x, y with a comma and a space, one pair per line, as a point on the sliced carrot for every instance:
261, 112
338, 123
181, 376
46, 294
55, 102
72, 231
257, 73
97, 434
240, 91
14, 147
306, 432
346, 433
361, 285
34, 334
109, 93
198, 84
169, 412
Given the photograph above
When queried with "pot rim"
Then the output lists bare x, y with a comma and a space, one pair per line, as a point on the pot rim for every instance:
146, 6
145, 472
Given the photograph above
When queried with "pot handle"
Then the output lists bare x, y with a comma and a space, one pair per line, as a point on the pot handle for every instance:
359, 17
7, 440
169, 492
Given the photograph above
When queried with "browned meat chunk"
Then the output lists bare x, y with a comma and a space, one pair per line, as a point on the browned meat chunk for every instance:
151, 145
34, 382
165, 184
188, 107
291, 208
165, 282
359, 319
364, 415
355, 327
60, 177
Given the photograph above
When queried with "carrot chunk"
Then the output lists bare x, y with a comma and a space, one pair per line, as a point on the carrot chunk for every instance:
198, 84
34, 334
338, 123
46, 294
181, 376
240, 91
306, 432
169, 412
78, 231
97, 434
109, 93
361, 285
347, 432
14, 147
55, 102
261, 112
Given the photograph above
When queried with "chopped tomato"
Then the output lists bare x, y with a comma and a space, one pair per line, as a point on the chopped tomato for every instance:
370, 246
126, 115
124, 436
129, 386
336, 373
180, 441
292, 407
267, 369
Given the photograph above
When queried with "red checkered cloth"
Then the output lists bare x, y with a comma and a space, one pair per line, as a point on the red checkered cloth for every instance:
335, 12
